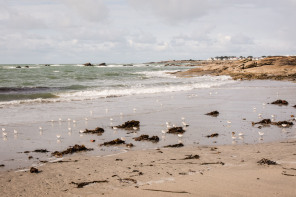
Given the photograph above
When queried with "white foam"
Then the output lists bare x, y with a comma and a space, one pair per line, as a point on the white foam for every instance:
159, 74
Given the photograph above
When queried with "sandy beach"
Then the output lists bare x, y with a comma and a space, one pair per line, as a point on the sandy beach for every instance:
247, 148
230, 170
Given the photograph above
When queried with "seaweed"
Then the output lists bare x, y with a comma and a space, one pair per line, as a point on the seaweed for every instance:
71, 150
174, 145
212, 135
82, 184
176, 130
98, 131
153, 139
130, 125
280, 102
266, 161
113, 142
213, 113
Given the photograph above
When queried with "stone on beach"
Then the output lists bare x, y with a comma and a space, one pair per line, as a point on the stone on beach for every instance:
154, 139
213, 113
129, 125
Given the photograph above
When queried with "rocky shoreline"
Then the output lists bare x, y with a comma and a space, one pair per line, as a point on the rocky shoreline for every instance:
272, 68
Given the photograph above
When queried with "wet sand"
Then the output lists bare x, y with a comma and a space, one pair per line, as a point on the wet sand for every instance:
229, 170
225, 167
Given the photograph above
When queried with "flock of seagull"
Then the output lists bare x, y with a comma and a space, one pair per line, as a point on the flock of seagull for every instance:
234, 135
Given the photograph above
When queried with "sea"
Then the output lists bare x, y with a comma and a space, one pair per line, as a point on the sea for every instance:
72, 82
49, 107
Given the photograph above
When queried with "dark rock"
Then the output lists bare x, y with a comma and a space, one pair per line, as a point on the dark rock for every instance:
2, 165
147, 138
46, 65
294, 106
30, 157
213, 113
34, 170
266, 161
280, 102
71, 150
102, 64
88, 64
113, 142
176, 130
174, 145
213, 135
18, 67
27, 67
130, 125
98, 131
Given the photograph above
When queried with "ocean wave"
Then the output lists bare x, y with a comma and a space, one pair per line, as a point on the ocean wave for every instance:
194, 83
159, 74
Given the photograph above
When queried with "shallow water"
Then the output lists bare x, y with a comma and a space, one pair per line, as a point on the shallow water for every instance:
236, 102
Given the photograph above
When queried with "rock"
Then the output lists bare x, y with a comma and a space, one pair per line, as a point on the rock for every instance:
281, 123
294, 106
147, 138
102, 64
18, 67
88, 64
213, 113
27, 67
280, 102
46, 65
2, 165
34, 170
176, 130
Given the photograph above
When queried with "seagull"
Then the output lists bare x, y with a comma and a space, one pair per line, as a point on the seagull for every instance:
69, 129
184, 124
58, 136
228, 121
241, 134
233, 135
284, 125
254, 108
180, 135
81, 131
115, 128
60, 119
122, 138
106, 110
69, 119
164, 131
4, 134
135, 128
86, 119
3, 129
74, 121
272, 116
111, 119
40, 128
15, 131
134, 109
121, 114
261, 133
183, 118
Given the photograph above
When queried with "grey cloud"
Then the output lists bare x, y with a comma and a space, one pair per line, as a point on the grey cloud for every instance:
173, 11
91, 10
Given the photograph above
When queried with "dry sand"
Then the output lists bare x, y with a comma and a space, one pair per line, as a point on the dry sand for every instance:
230, 170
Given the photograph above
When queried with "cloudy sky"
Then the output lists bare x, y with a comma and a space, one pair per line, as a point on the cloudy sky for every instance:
126, 31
